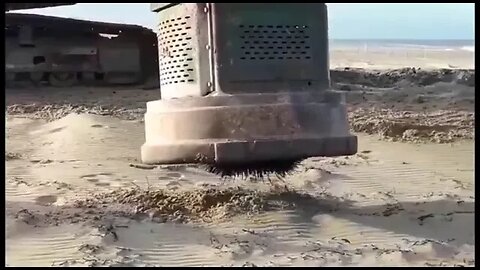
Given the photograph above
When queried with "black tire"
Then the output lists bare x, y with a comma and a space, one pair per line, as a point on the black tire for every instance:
36, 77
62, 79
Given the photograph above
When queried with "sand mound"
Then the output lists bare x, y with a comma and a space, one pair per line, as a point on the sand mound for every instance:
212, 205
208, 205
439, 127
392, 78
58, 111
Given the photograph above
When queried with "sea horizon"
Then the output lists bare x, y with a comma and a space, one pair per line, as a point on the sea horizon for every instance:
405, 44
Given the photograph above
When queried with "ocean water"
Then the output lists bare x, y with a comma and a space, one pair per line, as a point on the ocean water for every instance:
378, 44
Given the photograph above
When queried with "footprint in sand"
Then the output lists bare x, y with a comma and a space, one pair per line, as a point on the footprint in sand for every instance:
173, 184
171, 176
173, 188
174, 175
175, 180
97, 179
55, 130
41, 161
46, 200
180, 180
185, 181
102, 184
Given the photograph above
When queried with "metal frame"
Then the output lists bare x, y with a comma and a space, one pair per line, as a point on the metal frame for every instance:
244, 48
183, 51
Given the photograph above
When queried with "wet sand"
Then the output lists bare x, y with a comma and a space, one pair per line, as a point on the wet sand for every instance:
77, 195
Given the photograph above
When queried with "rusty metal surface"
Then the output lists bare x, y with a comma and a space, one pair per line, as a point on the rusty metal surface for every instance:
19, 6
72, 24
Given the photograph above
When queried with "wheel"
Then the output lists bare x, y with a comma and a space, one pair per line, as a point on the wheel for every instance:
62, 79
36, 77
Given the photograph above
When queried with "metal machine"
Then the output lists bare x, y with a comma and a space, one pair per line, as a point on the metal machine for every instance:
245, 88
65, 52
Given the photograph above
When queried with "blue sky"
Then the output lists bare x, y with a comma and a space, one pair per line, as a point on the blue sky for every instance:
346, 21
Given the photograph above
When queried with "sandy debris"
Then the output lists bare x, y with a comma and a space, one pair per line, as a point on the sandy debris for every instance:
207, 205
58, 111
404, 76
438, 127
12, 156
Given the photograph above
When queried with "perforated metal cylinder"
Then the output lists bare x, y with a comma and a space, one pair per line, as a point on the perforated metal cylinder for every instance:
242, 48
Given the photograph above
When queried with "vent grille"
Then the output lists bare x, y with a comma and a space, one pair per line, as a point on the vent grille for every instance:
274, 42
176, 57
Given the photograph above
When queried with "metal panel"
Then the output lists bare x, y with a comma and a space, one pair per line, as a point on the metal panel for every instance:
256, 48
270, 47
184, 59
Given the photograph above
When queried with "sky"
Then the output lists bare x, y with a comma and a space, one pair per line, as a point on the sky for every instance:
346, 21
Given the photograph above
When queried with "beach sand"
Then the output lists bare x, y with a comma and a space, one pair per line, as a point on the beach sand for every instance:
76, 193
385, 58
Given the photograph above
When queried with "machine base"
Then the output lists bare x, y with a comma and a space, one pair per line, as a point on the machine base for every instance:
247, 128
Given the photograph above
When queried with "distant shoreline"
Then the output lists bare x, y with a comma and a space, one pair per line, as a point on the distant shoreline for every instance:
403, 44
393, 54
